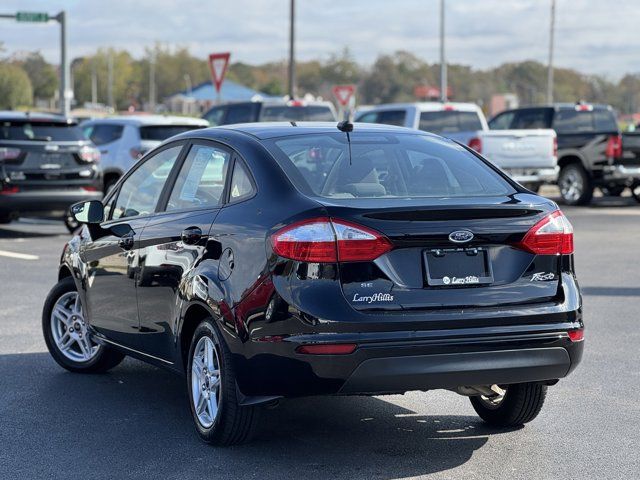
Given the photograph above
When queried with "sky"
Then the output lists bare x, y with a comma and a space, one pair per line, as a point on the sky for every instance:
593, 36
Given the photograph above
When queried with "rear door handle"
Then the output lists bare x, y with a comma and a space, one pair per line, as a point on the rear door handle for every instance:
126, 242
191, 235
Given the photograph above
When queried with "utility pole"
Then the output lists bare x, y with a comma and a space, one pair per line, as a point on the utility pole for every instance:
292, 62
443, 61
110, 80
65, 92
152, 82
550, 66
94, 83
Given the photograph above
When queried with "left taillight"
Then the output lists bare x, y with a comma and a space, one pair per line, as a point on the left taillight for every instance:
329, 240
476, 144
553, 235
89, 154
614, 146
9, 154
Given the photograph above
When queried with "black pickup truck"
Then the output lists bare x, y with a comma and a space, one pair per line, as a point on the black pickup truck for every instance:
590, 147
631, 158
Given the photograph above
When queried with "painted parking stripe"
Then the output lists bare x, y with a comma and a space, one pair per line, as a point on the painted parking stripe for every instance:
21, 256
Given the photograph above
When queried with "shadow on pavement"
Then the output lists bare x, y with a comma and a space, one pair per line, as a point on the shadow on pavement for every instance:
19, 230
135, 422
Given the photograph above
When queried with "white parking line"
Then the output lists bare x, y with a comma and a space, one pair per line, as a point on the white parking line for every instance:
21, 256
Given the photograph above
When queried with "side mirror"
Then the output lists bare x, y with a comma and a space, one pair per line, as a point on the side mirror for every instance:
88, 212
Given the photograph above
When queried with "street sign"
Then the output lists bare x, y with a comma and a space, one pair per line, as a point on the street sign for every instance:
343, 93
218, 63
32, 17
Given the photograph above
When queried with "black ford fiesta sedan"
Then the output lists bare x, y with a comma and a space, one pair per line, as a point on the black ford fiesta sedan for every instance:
267, 261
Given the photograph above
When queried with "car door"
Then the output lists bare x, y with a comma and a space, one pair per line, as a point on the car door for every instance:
112, 259
174, 241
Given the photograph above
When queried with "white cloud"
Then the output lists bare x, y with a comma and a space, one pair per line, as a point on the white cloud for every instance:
592, 36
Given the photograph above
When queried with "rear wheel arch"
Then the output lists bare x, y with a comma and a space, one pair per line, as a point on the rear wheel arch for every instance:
193, 316
572, 159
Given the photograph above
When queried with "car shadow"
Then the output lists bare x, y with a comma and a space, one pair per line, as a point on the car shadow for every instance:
18, 230
135, 421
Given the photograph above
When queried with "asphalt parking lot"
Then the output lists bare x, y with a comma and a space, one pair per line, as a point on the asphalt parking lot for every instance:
135, 422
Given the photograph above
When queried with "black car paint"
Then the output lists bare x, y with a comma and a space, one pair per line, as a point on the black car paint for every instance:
267, 306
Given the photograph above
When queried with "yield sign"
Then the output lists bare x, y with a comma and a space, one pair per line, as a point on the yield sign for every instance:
218, 63
343, 93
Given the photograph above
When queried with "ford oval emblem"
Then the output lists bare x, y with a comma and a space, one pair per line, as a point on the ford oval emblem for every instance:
461, 236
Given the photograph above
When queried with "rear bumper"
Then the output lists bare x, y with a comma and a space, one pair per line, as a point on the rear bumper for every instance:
45, 202
422, 372
534, 175
620, 172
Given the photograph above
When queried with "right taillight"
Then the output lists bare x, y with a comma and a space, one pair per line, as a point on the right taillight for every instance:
326, 240
476, 144
614, 146
553, 235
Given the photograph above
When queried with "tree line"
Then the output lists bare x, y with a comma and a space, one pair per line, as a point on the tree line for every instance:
391, 78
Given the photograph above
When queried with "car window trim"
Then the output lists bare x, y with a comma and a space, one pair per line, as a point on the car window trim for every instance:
161, 208
116, 191
237, 158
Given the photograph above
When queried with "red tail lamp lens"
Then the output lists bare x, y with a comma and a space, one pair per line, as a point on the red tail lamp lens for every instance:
576, 335
553, 235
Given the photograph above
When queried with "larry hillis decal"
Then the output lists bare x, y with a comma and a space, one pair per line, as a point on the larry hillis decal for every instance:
376, 297
470, 279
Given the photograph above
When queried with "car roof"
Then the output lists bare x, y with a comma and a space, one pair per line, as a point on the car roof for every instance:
266, 130
150, 120
424, 106
35, 116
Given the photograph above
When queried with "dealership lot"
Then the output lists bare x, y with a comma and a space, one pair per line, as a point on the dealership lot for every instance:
134, 421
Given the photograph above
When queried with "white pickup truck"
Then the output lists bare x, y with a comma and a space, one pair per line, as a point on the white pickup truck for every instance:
528, 156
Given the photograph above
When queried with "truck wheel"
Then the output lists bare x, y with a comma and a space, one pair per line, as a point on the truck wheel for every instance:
575, 185
520, 404
635, 191
211, 384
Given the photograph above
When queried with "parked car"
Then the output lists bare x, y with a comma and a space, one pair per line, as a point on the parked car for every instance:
124, 140
46, 165
630, 164
589, 146
314, 265
528, 156
270, 111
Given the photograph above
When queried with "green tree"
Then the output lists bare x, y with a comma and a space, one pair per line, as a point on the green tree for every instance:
15, 87
43, 76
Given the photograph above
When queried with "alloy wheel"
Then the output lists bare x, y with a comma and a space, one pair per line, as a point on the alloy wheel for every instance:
69, 329
206, 381
571, 186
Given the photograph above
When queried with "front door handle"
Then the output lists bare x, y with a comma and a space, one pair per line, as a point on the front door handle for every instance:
126, 242
191, 235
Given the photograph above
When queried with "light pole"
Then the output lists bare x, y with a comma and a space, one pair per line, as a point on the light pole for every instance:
550, 66
443, 61
292, 62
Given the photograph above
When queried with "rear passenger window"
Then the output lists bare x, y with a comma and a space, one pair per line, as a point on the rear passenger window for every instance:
103, 134
200, 182
241, 186
572, 121
243, 113
502, 121
530, 119
605, 121
392, 117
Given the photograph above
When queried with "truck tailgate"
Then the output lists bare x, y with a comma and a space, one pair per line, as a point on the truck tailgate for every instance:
519, 148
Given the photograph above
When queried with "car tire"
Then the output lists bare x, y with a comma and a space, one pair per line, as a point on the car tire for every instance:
66, 336
520, 404
70, 222
219, 418
576, 188
635, 191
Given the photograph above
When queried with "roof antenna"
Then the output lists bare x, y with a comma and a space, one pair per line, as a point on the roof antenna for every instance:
346, 126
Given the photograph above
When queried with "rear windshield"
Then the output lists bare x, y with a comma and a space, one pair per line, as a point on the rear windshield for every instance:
162, 132
573, 121
40, 131
285, 113
384, 165
446, 121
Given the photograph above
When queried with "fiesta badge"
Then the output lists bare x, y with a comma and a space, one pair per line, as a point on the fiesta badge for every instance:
461, 236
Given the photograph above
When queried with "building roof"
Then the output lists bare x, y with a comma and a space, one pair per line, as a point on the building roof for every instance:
230, 92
